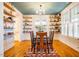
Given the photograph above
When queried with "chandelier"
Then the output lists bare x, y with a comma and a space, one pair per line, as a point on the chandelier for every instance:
41, 10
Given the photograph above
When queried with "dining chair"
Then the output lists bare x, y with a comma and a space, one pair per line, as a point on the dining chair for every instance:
33, 41
50, 40
43, 43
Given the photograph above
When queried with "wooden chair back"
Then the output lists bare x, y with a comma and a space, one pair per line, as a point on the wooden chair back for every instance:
41, 35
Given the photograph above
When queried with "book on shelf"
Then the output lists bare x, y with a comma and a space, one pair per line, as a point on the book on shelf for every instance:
8, 13
26, 24
26, 31
27, 28
27, 21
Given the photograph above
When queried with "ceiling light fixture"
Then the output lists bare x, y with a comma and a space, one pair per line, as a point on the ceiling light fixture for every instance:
40, 11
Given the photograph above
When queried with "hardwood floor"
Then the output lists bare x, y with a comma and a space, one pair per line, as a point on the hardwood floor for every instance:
63, 50
20, 49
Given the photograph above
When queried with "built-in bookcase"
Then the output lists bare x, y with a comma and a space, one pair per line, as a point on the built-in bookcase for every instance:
8, 25
8, 21
27, 25
54, 23
8, 28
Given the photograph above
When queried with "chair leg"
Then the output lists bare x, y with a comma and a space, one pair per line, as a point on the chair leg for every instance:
31, 49
51, 47
48, 50
34, 50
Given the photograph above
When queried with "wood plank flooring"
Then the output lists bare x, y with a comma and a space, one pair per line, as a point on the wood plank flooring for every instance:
20, 49
63, 50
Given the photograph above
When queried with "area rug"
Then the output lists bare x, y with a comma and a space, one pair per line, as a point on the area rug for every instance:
51, 54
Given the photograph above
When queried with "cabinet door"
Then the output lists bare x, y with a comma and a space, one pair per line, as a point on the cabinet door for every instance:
63, 18
62, 29
66, 33
67, 17
76, 30
71, 30
74, 14
78, 12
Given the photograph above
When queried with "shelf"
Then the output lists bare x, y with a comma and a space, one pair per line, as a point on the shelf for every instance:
9, 33
57, 17
55, 28
9, 14
54, 25
8, 5
27, 25
27, 21
8, 28
26, 28
26, 31
27, 17
55, 21
9, 19
9, 36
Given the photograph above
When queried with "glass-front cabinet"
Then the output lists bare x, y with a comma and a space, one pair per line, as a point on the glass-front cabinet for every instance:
76, 30
70, 22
